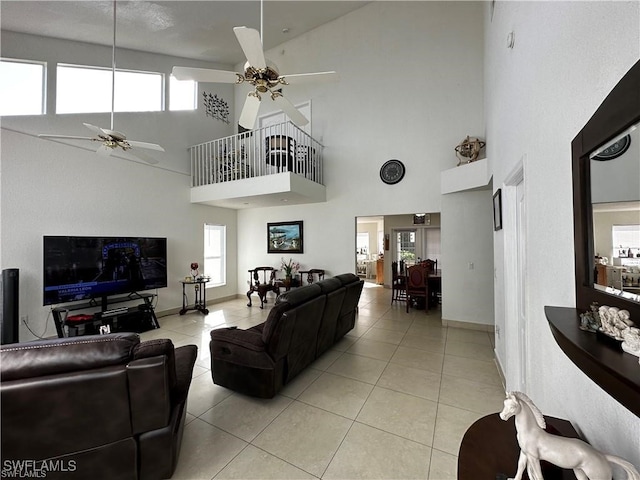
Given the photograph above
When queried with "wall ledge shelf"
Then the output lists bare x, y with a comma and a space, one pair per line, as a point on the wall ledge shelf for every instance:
616, 372
468, 176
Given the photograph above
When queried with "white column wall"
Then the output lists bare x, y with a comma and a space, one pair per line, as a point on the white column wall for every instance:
566, 58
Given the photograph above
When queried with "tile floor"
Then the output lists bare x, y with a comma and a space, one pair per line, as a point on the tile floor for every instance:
391, 400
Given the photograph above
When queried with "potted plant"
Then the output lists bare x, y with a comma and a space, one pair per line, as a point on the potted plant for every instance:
290, 268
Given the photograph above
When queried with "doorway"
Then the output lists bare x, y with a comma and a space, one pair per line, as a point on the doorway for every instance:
515, 284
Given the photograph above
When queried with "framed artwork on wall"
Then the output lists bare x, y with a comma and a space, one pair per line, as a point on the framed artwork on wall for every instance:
284, 237
497, 210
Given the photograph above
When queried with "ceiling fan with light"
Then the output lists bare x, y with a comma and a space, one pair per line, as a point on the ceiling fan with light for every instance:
109, 138
260, 73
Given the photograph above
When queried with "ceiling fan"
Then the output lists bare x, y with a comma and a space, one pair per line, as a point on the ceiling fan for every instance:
260, 73
109, 138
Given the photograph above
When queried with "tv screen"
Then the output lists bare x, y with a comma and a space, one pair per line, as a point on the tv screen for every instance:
80, 268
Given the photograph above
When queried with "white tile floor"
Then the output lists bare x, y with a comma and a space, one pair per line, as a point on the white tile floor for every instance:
391, 400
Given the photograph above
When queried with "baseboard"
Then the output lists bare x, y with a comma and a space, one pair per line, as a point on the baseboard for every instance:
468, 325
500, 372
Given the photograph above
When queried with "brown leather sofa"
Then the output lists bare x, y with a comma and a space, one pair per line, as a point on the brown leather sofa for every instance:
93, 407
303, 324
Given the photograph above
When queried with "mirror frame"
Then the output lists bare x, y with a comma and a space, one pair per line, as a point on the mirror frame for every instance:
617, 113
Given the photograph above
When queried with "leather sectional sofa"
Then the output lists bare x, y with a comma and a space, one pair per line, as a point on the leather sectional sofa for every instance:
304, 323
98, 407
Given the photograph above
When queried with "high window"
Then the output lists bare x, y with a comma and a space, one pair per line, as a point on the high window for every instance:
83, 89
22, 87
182, 94
215, 265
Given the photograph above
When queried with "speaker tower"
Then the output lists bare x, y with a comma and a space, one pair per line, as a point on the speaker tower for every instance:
9, 326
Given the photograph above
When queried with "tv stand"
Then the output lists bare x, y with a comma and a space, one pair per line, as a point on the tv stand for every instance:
137, 318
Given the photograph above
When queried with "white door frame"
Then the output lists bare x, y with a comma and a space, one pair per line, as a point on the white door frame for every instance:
515, 292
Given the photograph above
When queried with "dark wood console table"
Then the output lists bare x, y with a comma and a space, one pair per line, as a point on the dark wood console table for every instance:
617, 372
490, 448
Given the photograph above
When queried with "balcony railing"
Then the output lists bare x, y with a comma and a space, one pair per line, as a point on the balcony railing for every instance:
266, 151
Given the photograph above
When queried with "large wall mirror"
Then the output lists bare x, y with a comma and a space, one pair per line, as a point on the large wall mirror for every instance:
606, 194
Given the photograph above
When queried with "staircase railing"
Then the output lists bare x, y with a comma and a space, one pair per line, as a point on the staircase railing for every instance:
256, 153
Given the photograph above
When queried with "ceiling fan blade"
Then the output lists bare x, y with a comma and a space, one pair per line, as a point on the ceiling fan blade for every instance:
317, 77
148, 146
68, 137
206, 75
251, 44
250, 111
94, 129
289, 108
104, 151
143, 156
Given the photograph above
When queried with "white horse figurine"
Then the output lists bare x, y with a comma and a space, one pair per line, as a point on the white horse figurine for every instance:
586, 462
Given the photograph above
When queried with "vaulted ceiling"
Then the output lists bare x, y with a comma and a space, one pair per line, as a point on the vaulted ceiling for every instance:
200, 30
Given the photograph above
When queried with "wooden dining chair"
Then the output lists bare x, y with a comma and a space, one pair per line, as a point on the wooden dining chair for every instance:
398, 282
417, 285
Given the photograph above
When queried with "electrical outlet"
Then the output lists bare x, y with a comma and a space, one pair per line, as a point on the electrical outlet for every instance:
25, 319
498, 331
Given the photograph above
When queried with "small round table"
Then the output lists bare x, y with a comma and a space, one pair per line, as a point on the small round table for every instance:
200, 300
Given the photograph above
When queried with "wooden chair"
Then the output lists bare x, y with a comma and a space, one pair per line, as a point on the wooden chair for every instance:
310, 275
398, 282
262, 288
417, 285
281, 152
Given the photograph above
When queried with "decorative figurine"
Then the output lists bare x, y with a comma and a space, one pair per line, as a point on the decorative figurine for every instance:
614, 321
586, 462
631, 341
590, 321
468, 150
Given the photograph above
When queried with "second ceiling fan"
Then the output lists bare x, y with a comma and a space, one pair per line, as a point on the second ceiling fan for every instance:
261, 74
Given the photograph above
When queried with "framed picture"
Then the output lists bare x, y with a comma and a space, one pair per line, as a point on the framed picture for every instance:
284, 237
497, 210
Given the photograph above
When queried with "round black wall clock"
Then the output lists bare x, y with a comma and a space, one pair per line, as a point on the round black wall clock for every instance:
614, 150
392, 171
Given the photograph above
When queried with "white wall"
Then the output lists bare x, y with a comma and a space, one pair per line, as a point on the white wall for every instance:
399, 96
538, 95
49, 188
467, 247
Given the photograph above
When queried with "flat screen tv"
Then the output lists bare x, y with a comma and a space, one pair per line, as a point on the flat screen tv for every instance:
81, 268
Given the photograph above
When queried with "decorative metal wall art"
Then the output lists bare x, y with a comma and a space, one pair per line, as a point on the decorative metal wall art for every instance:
216, 107
468, 150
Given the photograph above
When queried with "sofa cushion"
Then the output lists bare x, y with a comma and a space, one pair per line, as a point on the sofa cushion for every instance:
285, 302
62, 355
335, 293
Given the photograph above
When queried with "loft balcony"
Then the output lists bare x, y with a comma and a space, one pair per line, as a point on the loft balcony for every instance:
271, 166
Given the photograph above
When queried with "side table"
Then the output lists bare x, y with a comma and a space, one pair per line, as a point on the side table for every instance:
200, 296
489, 449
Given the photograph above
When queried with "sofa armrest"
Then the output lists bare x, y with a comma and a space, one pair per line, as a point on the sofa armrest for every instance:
149, 393
153, 348
249, 339
185, 360
64, 355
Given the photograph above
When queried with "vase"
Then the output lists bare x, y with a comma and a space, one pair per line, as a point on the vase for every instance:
287, 280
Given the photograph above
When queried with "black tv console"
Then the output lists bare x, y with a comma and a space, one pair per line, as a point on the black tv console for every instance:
138, 318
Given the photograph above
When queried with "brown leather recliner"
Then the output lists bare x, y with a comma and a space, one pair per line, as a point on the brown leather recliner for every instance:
98, 407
